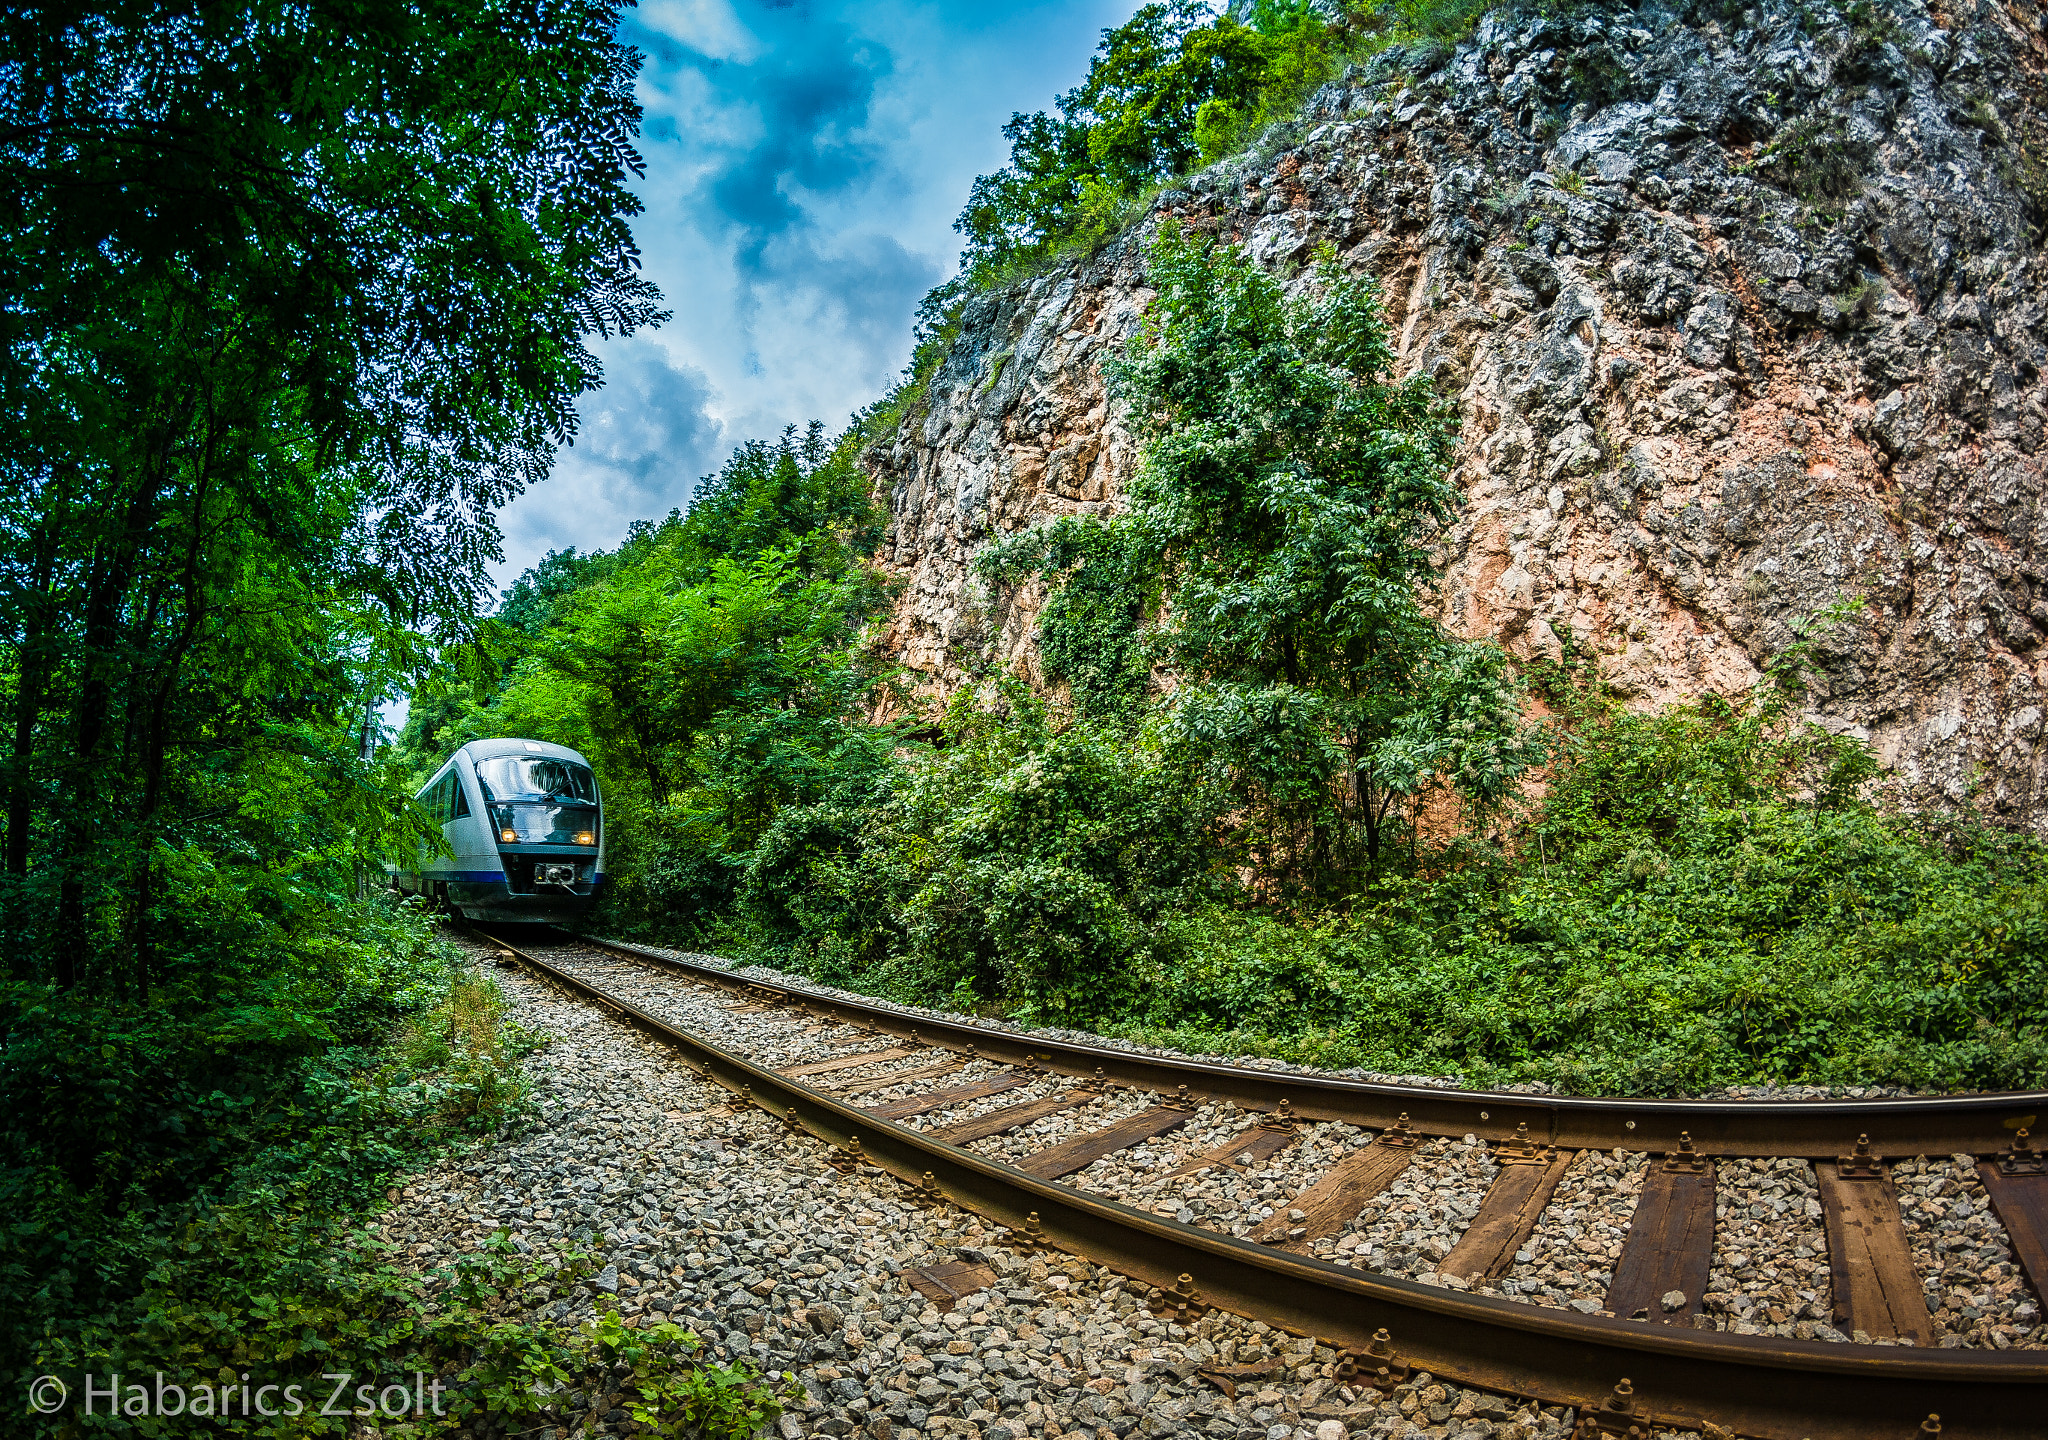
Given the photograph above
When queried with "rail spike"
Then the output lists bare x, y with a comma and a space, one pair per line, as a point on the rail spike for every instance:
1182, 1305
1616, 1415
1030, 1236
1280, 1118
1376, 1365
1523, 1150
1685, 1160
1862, 1165
2023, 1158
1401, 1135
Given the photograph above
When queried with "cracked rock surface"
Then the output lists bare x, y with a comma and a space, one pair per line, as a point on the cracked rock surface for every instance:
1742, 314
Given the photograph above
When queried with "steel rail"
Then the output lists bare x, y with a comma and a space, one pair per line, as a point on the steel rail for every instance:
1978, 1124
1757, 1386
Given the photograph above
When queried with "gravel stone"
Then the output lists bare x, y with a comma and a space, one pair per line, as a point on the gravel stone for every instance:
712, 1215
1770, 1269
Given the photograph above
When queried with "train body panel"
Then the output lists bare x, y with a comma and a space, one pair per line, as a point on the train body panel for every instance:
525, 822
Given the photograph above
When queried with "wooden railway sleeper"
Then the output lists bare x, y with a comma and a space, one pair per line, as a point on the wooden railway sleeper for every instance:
1906, 1125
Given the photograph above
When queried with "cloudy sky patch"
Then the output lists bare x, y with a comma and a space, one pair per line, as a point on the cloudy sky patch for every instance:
804, 166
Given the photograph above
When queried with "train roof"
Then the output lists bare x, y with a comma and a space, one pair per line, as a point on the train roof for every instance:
491, 749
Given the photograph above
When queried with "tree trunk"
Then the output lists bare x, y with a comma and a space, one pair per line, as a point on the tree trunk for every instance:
28, 713
99, 658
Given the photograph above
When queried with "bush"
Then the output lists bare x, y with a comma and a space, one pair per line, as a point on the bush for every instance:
1685, 944
1019, 863
228, 1235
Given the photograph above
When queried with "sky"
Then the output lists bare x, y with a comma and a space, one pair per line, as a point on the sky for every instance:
805, 163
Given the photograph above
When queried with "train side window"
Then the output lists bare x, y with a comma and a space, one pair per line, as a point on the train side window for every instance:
461, 797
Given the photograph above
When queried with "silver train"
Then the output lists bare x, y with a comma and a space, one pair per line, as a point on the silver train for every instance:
526, 824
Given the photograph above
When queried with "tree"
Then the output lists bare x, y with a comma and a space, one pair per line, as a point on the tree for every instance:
803, 491
1132, 120
297, 297
1289, 489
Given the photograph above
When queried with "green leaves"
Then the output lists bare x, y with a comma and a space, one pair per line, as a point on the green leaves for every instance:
706, 666
298, 294
1289, 490
1170, 88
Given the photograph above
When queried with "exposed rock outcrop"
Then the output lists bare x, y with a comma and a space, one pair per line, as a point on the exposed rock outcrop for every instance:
1744, 311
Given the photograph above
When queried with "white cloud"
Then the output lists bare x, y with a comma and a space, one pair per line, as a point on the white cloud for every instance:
707, 26
804, 165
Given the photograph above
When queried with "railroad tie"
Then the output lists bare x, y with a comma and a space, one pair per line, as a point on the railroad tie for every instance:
939, 1099
1755, 1385
1008, 1118
1246, 1149
2017, 1182
1670, 1245
1876, 1289
949, 1282
1085, 1150
846, 1062
867, 1084
1328, 1205
1513, 1204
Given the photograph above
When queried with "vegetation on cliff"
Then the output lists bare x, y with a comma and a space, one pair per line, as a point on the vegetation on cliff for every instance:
1178, 85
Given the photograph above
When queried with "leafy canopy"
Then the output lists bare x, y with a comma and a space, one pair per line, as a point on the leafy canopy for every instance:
298, 295
1174, 73
706, 666
1288, 491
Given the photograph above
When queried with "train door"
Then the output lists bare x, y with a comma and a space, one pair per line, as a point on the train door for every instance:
479, 872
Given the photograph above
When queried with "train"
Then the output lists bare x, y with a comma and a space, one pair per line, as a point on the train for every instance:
524, 821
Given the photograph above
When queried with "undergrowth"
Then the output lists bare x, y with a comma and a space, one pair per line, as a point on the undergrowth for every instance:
1689, 907
200, 1281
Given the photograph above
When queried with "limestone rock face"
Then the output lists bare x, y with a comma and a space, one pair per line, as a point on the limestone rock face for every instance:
1742, 317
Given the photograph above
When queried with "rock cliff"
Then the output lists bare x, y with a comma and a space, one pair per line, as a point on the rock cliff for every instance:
1743, 309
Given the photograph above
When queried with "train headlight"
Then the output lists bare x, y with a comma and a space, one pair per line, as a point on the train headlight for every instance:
508, 836
584, 837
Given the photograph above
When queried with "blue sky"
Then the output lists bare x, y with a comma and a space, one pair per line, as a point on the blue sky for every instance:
804, 166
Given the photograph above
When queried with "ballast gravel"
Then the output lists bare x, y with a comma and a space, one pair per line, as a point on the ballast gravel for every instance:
1409, 1227
717, 1219
1974, 1289
1568, 1260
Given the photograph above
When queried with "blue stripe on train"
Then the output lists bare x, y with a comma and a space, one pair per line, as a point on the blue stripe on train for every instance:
467, 877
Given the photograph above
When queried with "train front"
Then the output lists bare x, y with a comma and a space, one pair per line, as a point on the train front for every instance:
542, 805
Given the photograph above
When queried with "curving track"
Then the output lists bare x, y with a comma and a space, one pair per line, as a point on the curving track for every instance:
988, 1119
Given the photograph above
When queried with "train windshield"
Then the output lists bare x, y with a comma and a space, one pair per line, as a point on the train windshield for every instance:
517, 777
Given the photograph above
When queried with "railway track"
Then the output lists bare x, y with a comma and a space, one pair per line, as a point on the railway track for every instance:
1040, 1138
